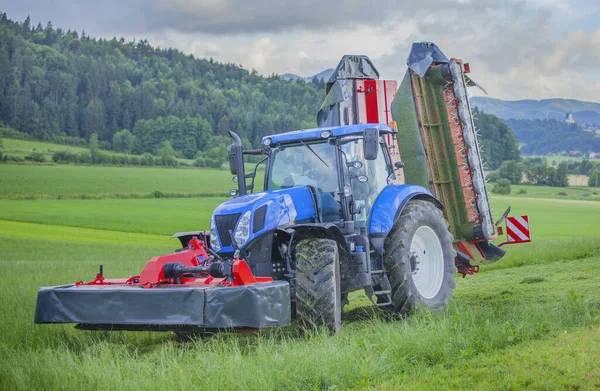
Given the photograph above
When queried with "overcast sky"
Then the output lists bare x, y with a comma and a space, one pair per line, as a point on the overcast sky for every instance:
528, 49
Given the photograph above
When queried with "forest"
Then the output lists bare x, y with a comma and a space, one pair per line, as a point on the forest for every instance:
65, 86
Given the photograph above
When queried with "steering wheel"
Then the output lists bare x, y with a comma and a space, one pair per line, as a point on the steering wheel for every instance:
288, 181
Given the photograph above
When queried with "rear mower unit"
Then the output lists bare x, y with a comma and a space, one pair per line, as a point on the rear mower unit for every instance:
387, 195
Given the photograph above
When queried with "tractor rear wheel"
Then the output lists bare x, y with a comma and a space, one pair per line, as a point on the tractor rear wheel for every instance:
317, 282
419, 259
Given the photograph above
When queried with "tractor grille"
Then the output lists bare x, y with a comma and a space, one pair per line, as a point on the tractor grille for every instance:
226, 223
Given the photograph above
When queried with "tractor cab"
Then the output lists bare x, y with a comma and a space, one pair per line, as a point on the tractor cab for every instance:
345, 169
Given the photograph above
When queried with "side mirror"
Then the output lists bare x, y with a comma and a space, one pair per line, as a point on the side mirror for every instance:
371, 143
232, 158
235, 155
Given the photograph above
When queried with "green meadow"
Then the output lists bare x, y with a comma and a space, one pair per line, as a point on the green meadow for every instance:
561, 193
22, 148
69, 181
531, 320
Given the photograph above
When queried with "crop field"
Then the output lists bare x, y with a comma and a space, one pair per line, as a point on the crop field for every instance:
531, 320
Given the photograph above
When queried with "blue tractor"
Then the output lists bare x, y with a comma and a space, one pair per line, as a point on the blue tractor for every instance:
330, 221
337, 212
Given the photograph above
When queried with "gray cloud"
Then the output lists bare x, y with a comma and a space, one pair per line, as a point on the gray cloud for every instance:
96, 17
242, 16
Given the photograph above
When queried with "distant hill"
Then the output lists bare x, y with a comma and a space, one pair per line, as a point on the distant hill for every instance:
583, 112
550, 136
321, 76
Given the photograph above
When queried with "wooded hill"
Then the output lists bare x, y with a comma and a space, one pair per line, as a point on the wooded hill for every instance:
56, 83
64, 86
548, 136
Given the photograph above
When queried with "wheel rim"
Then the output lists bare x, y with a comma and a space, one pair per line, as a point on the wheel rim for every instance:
427, 262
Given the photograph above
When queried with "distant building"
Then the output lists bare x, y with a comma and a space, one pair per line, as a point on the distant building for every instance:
569, 118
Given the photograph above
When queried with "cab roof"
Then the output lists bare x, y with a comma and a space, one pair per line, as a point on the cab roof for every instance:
315, 134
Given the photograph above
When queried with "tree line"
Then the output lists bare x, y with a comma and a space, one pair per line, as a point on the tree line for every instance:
536, 171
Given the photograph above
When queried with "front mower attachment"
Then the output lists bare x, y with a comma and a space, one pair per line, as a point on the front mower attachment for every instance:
166, 308
181, 291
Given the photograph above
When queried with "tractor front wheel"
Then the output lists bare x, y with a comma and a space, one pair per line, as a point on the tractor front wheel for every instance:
419, 259
317, 282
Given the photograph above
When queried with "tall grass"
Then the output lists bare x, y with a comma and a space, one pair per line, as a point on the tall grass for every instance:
490, 313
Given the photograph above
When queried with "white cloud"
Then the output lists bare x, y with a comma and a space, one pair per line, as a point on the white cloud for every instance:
263, 52
302, 55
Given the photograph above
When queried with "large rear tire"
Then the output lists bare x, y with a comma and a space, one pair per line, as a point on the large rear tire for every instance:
317, 282
419, 259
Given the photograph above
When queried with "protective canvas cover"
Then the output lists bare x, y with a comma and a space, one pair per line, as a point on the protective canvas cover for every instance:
338, 108
422, 55
256, 306
353, 67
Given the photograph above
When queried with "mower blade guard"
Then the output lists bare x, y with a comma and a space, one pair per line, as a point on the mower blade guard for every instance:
119, 307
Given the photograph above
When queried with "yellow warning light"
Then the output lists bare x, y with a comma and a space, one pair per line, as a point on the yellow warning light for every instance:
394, 125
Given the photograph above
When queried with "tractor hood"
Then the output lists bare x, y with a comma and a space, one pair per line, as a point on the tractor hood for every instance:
251, 215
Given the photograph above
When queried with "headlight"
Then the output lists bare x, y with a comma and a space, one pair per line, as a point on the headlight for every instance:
214, 241
242, 231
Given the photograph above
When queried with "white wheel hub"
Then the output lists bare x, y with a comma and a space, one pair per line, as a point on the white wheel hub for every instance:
427, 262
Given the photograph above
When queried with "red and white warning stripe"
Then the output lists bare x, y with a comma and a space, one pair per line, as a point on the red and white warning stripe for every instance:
517, 229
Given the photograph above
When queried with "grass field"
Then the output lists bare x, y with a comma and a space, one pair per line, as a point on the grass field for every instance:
67, 181
531, 320
563, 193
23, 148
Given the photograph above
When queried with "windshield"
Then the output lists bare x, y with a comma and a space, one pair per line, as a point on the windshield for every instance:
304, 164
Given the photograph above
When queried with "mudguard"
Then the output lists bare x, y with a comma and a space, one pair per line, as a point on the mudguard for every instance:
389, 205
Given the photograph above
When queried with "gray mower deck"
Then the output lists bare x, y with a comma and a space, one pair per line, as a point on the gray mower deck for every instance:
254, 306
